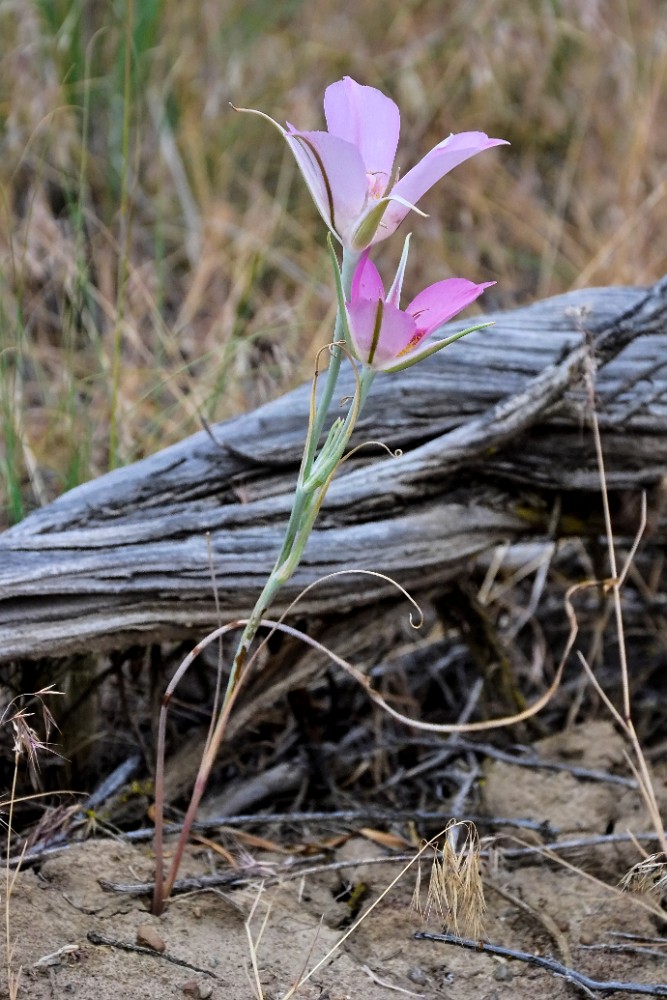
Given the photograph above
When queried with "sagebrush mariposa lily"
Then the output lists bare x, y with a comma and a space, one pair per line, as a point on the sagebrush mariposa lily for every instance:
387, 338
349, 169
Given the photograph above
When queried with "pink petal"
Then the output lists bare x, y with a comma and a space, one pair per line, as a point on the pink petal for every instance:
370, 121
439, 302
335, 174
441, 159
366, 283
397, 330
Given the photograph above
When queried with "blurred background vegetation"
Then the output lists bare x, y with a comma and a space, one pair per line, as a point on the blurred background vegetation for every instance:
160, 260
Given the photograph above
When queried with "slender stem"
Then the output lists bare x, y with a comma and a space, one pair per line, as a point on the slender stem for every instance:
350, 260
301, 497
319, 414
208, 760
270, 589
306, 503
315, 475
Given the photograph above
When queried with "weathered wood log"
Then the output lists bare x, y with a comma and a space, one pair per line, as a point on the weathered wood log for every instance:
493, 431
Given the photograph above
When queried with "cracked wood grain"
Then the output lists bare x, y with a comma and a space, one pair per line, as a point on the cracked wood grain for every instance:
493, 432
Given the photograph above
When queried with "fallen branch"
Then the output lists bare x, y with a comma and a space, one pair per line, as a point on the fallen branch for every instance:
550, 964
493, 439
95, 938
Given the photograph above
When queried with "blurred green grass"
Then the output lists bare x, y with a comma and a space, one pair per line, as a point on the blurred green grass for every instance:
160, 259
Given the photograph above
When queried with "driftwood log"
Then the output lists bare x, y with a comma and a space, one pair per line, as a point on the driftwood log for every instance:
495, 437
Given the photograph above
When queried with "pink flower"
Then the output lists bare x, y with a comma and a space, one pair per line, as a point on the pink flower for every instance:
349, 168
387, 338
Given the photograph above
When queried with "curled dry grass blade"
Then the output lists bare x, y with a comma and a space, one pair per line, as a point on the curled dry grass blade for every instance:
164, 885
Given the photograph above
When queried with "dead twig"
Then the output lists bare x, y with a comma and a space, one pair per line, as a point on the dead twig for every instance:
140, 949
550, 964
623, 716
624, 949
318, 864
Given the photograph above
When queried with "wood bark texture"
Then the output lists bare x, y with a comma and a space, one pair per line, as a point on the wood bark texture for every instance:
495, 436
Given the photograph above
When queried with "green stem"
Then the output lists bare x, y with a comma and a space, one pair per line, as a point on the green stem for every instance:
310, 491
315, 475
350, 261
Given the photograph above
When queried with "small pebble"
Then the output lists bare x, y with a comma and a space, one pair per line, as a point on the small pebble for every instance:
200, 991
149, 938
417, 975
503, 973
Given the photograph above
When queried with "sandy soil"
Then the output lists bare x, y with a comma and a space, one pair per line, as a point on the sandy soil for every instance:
73, 937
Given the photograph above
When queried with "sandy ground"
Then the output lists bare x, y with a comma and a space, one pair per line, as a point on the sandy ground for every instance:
73, 937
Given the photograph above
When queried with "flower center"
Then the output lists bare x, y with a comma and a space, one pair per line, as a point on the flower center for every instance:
415, 339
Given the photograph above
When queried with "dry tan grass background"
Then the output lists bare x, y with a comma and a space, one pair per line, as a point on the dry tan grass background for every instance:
160, 259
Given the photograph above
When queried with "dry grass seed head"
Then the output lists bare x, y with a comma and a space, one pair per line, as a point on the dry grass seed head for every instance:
27, 741
648, 876
455, 892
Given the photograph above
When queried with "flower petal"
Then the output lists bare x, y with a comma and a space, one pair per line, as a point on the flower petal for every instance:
441, 159
397, 330
366, 283
369, 120
335, 174
439, 302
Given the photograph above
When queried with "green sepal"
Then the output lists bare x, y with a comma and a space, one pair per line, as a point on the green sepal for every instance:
367, 228
412, 359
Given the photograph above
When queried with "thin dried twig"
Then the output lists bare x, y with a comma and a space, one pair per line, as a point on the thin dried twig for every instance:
140, 949
295, 869
550, 964
624, 716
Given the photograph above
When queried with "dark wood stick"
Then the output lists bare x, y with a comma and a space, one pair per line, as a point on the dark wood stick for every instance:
550, 964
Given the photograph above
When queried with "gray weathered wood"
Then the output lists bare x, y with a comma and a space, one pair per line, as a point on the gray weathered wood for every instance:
492, 429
